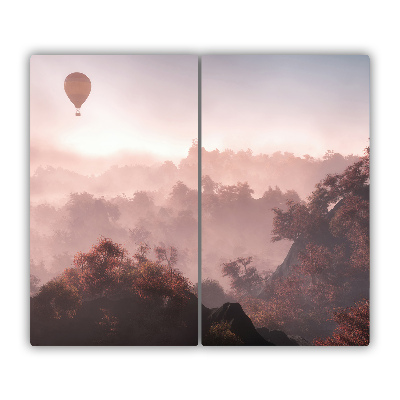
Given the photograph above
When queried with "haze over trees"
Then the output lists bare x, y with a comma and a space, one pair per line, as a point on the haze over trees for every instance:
326, 268
288, 251
158, 204
166, 217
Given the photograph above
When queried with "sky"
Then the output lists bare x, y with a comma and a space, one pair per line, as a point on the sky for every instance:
143, 104
146, 106
300, 104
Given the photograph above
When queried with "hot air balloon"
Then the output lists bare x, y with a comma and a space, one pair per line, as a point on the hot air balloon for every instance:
77, 86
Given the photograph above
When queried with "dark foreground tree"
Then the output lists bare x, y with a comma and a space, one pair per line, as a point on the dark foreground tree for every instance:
109, 298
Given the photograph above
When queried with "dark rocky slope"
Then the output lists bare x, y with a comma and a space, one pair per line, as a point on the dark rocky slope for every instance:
279, 338
240, 323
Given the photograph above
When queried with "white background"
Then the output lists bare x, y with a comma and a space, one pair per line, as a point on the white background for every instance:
48, 27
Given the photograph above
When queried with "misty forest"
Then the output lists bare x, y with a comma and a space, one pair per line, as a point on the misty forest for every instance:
285, 251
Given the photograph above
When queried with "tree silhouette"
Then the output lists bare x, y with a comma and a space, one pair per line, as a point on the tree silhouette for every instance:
245, 280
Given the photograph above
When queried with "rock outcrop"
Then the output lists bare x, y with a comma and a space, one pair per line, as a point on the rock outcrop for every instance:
240, 323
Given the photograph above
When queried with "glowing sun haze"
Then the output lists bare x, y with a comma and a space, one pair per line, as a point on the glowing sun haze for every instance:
144, 104
299, 104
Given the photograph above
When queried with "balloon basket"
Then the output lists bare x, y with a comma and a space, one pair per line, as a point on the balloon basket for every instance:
78, 113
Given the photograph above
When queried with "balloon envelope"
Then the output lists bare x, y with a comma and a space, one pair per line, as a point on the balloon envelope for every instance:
77, 86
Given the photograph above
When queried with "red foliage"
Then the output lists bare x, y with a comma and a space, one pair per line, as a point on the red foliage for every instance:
291, 224
318, 283
338, 186
107, 270
352, 221
353, 327
101, 267
316, 259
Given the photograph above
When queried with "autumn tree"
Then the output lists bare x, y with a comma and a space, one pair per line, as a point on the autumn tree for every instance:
101, 267
220, 334
352, 222
352, 329
350, 188
155, 279
348, 220
107, 270
293, 223
354, 181
110, 298
333, 229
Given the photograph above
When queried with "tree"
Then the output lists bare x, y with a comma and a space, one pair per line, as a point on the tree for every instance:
169, 256
88, 217
110, 298
139, 234
244, 192
228, 194
101, 267
142, 201
354, 181
220, 334
155, 280
349, 219
209, 187
352, 221
212, 293
56, 300
183, 197
293, 223
34, 284
332, 250
245, 280
353, 327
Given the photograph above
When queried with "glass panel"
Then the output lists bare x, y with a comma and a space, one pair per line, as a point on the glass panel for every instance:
285, 200
114, 183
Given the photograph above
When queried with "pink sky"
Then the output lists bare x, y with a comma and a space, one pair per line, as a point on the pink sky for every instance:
148, 105
299, 104
138, 104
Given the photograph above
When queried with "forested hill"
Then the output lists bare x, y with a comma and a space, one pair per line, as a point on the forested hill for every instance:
261, 171
284, 170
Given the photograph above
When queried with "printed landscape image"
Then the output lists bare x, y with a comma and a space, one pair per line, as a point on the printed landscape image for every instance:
285, 200
113, 186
